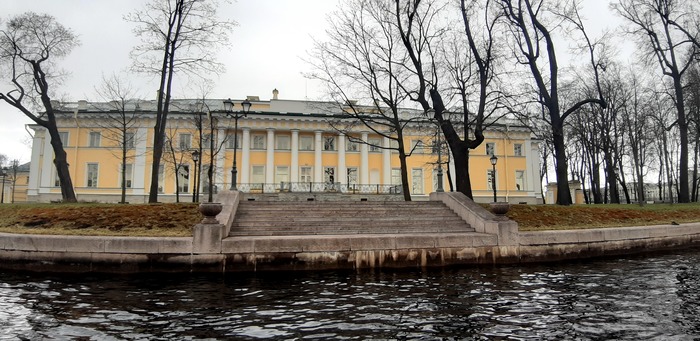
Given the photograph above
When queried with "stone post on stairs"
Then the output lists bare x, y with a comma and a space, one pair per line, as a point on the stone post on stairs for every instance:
208, 234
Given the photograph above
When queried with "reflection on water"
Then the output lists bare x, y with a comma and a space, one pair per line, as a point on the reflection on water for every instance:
655, 297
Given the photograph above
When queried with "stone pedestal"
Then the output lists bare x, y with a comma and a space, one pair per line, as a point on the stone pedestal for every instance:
208, 234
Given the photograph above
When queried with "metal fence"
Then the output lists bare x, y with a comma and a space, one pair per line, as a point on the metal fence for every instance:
319, 187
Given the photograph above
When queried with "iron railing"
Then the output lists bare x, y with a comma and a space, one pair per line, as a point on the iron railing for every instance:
319, 187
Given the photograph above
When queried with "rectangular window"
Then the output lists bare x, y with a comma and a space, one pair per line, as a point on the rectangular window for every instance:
490, 148
258, 175
520, 180
161, 177
489, 179
207, 140
329, 175
92, 174
258, 141
281, 174
352, 176
329, 143
352, 146
305, 174
63, 135
129, 140
396, 176
375, 144
282, 142
416, 147
435, 178
306, 143
518, 149
95, 138
183, 178
185, 142
417, 181
128, 175
56, 180
231, 143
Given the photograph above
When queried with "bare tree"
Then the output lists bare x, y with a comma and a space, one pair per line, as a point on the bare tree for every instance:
362, 59
659, 26
121, 121
471, 70
177, 36
532, 38
30, 44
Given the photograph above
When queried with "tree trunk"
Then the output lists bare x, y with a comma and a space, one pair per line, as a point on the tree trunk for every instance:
563, 192
406, 189
61, 163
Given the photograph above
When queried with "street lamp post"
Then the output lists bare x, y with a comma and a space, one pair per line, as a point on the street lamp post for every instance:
439, 170
228, 107
195, 192
493, 159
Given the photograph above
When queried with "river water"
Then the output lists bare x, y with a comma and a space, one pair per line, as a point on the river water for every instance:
653, 297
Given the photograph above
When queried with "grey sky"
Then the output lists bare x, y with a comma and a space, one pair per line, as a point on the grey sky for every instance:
265, 51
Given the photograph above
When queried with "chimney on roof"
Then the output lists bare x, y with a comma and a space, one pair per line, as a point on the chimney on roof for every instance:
82, 104
275, 92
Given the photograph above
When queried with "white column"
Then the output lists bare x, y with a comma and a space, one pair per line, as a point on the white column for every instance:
386, 161
342, 175
294, 172
36, 169
244, 170
318, 160
139, 175
532, 157
220, 163
364, 160
270, 164
49, 169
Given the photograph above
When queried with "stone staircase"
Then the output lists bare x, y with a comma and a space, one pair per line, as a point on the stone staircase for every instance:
280, 218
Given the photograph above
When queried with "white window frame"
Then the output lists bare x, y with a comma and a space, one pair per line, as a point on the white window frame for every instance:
95, 139
258, 142
283, 142
183, 172
64, 136
329, 143
375, 144
184, 141
417, 181
92, 176
520, 183
306, 174
490, 148
518, 149
230, 143
129, 175
257, 174
306, 143
282, 174
352, 146
129, 140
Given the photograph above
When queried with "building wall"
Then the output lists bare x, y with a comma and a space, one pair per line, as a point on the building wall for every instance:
373, 166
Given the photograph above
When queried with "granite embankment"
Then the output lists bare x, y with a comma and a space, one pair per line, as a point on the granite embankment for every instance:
339, 235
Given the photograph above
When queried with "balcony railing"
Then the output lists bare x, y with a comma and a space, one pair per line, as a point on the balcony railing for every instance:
319, 187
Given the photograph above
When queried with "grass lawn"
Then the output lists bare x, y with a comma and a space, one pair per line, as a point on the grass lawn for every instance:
178, 219
175, 220
552, 217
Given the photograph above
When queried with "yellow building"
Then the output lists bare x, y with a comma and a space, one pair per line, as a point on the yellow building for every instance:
283, 145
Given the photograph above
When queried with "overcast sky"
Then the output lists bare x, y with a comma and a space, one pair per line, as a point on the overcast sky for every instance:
266, 51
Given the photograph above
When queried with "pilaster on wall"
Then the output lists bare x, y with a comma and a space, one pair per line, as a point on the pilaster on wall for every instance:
35, 168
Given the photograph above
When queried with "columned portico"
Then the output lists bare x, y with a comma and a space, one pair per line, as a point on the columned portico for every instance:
245, 157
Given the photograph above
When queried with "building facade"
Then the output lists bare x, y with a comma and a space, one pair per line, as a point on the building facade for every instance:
280, 145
